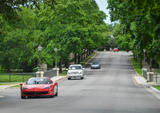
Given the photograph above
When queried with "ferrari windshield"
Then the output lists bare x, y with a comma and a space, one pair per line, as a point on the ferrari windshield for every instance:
38, 81
75, 68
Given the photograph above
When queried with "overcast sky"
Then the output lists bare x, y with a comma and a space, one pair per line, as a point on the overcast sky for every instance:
102, 5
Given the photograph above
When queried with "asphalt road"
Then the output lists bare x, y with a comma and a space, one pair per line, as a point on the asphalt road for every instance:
106, 90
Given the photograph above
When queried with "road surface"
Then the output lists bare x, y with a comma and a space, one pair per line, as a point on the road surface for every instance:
106, 90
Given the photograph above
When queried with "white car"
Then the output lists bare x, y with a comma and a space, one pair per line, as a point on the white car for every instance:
75, 71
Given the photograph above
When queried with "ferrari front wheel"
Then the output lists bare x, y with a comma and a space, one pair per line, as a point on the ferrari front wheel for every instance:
22, 97
55, 90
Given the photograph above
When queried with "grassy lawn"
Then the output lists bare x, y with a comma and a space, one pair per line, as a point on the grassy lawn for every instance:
137, 66
89, 57
64, 73
157, 87
16, 86
14, 78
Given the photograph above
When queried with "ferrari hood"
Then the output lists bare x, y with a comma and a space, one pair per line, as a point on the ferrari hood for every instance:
38, 86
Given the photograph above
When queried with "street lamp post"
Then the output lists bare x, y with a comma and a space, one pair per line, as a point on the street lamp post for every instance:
40, 50
144, 56
55, 49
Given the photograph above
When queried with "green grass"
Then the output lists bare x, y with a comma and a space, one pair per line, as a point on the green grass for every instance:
86, 59
64, 73
137, 66
16, 86
14, 78
157, 87
8, 83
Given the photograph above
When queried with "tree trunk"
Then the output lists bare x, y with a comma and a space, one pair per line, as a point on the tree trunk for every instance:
60, 66
66, 63
141, 62
75, 58
79, 59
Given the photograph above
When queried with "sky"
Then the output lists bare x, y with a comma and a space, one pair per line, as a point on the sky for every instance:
103, 7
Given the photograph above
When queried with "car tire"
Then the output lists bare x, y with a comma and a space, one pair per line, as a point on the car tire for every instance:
52, 95
55, 91
82, 78
69, 78
22, 97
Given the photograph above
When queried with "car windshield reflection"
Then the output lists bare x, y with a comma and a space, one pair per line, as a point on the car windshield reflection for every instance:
95, 63
75, 68
38, 81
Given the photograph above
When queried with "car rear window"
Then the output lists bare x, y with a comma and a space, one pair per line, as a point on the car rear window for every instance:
38, 81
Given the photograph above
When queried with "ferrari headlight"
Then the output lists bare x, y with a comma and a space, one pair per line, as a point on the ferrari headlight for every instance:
47, 87
24, 88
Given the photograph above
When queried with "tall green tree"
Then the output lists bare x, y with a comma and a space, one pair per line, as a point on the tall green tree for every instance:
141, 23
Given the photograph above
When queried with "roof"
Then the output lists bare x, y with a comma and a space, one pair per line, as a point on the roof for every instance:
76, 65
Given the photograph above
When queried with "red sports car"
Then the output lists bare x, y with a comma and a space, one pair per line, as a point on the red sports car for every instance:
115, 49
37, 86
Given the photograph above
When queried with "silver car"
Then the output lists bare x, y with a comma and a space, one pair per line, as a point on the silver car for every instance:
95, 65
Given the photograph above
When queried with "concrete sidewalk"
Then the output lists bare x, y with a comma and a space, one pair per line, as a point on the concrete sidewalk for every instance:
148, 85
2, 87
140, 80
56, 78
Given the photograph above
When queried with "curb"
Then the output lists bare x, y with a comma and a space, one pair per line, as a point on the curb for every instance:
133, 67
61, 78
8, 86
156, 90
58, 79
144, 85
138, 83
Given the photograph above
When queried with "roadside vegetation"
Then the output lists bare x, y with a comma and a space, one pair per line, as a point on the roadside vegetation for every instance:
137, 28
157, 87
137, 65
83, 62
64, 73
74, 27
16, 86
14, 78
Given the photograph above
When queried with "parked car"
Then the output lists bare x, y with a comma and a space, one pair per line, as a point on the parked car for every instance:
115, 49
95, 65
75, 71
39, 86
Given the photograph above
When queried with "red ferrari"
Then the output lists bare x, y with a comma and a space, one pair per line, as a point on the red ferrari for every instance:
115, 49
37, 86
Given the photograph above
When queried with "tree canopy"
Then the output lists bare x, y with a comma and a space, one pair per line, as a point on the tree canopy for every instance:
71, 26
139, 24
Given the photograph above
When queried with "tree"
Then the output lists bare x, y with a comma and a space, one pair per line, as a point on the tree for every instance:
140, 21
69, 25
